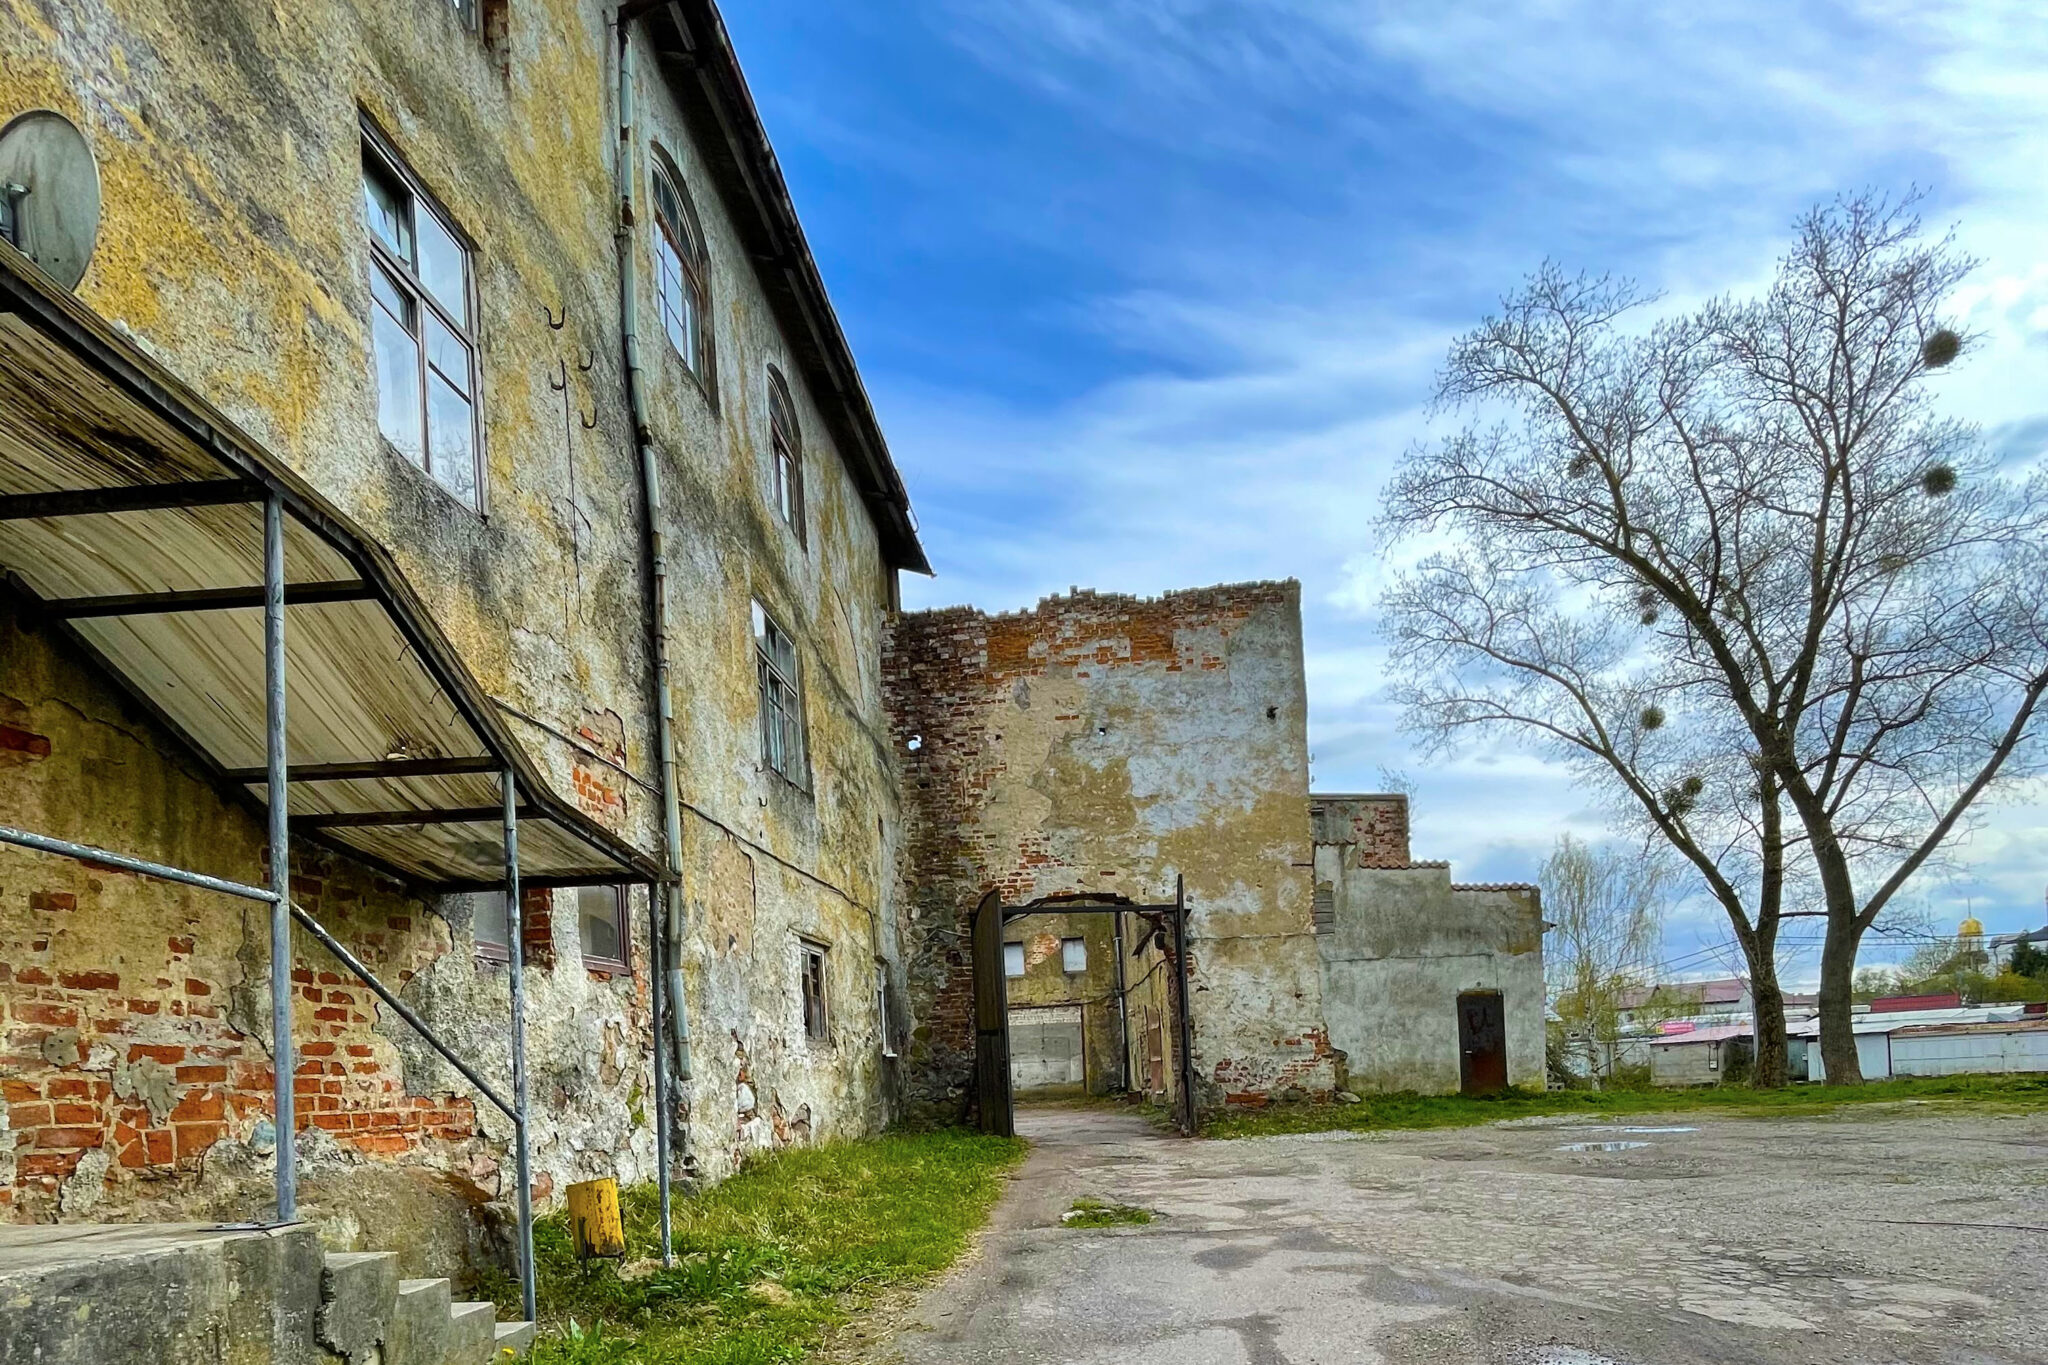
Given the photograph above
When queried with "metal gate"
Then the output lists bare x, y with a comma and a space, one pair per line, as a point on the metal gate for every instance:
994, 1097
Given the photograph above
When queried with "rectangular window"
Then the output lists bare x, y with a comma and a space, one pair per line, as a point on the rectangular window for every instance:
1013, 960
882, 1008
1073, 955
602, 924
817, 1025
493, 928
422, 334
782, 724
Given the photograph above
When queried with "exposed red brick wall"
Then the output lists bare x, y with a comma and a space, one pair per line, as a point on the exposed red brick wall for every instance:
1377, 825
150, 1064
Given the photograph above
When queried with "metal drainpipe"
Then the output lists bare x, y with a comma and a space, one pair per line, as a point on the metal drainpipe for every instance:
664, 907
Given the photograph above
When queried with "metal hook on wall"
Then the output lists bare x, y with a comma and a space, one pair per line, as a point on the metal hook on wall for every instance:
559, 381
588, 360
589, 419
555, 323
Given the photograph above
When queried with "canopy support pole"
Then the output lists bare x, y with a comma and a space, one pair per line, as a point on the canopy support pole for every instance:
282, 1056
515, 956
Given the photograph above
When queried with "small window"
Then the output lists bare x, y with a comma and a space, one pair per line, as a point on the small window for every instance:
786, 447
493, 930
1013, 960
782, 725
602, 926
1073, 956
681, 284
882, 1008
421, 336
817, 1026
466, 11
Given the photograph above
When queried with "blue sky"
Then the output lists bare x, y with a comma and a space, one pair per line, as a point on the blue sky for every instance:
1150, 293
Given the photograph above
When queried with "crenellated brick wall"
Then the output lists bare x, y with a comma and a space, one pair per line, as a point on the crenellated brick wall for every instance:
1108, 742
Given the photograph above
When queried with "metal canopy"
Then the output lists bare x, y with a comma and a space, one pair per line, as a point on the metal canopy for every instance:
131, 514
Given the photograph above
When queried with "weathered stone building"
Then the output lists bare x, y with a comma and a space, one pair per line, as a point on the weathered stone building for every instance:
1111, 745
501, 314
374, 255
1429, 985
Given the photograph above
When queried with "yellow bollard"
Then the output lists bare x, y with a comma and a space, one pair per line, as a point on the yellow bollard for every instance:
594, 1219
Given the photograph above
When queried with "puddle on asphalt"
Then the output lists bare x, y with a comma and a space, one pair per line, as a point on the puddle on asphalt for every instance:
1660, 1130
1600, 1147
1563, 1355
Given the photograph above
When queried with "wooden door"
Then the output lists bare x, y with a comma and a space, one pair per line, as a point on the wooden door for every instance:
1482, 1043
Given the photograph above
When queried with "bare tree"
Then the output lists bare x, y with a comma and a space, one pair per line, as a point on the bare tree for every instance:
1734, 567
1606, 907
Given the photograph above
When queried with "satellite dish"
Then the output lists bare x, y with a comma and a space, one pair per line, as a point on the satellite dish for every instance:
49, 193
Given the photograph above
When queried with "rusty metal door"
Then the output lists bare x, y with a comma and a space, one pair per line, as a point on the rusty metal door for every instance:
991, 1022
1482, 1043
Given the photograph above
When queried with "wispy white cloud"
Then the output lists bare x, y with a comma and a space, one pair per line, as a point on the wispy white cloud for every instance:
1323, 193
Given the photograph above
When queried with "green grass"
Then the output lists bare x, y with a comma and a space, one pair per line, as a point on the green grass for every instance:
770, 1260
1408, 1110
1093, 1213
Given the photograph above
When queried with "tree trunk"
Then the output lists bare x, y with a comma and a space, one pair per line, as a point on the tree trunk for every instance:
1837, 982
1769, 1072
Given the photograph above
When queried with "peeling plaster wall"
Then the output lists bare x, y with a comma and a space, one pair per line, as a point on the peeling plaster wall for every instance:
769, 862
1046, 982
1405, 941
1110, 743
233, 248
135, 1051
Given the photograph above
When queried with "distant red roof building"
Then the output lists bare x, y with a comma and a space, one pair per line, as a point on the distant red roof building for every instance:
1892, 1004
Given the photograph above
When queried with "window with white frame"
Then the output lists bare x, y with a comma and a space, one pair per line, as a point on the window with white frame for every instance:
782, 725
1073, 955
681, 273
422, 328
785, 447
1013, 960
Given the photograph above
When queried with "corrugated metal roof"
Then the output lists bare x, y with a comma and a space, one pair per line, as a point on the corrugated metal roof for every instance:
371, 680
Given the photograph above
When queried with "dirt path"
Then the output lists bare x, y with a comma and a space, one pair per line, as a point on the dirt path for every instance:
1539, 1243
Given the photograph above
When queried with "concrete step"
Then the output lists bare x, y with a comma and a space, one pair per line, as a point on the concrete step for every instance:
471, 1328
516, 1337
421, 1333
358, 1293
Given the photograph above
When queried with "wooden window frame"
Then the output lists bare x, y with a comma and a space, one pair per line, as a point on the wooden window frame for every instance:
780, 696
814, 970
381, 159
786, 452
622, 965
683, 262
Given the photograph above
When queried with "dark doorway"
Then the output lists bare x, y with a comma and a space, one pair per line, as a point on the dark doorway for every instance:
1482, 1043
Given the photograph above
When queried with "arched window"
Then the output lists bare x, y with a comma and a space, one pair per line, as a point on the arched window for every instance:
681, 274
785, 444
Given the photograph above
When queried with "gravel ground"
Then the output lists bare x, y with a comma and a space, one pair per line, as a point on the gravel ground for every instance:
1882, 1235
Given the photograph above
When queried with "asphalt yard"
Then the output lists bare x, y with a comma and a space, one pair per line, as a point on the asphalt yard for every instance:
1879, 1235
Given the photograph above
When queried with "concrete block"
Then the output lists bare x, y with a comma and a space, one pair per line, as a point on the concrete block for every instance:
515, 1337
420, 1327
358, 1294
472, 1332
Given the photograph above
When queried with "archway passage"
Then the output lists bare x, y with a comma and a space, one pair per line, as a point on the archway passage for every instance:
994, 1089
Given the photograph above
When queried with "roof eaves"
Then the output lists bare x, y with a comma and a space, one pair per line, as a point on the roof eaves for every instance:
754, 191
